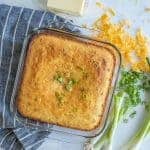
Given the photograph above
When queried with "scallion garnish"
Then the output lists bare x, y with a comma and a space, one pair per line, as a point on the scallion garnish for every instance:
70, 84
59, 78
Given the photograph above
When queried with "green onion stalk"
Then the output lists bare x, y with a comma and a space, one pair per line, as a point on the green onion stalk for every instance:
105, 141
144, 130
136, 141
107, 138
126, 98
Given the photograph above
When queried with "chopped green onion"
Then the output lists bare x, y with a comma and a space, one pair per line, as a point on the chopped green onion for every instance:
132, 115
70, 84
146, 105
59, 78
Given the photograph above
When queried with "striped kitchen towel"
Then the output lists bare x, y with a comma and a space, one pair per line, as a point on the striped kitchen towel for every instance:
15, 24
21, 138
8, 140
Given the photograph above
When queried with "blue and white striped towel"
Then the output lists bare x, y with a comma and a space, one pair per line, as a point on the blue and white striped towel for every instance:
15, 24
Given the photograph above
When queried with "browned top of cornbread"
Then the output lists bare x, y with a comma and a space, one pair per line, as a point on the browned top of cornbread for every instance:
65, 81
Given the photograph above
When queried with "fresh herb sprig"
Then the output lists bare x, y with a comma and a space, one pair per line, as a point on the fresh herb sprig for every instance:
59, 78
69, 85
66, 83
144, 130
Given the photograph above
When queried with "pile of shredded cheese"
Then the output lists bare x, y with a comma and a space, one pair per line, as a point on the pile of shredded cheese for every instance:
127, 44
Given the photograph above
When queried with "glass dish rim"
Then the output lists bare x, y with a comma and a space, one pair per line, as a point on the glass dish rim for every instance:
84, 37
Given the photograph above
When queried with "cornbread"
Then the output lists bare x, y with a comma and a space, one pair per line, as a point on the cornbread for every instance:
66, 81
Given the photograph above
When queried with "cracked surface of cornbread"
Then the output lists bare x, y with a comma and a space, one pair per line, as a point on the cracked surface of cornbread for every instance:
65, 81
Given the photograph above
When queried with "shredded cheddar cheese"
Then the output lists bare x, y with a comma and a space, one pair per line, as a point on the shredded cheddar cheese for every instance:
128, 44
111, 11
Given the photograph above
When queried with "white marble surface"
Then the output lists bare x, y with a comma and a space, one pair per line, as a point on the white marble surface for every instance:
127, 9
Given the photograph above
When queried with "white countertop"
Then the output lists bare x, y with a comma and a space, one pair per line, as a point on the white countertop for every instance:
127, 9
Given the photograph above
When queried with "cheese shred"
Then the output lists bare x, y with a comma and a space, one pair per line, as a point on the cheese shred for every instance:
127, 44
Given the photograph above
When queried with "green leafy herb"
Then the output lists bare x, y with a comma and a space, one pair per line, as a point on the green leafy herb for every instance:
131, 85
59, 78
132, 115
146, 105
65, 82
146, 83
70, 84
144, 130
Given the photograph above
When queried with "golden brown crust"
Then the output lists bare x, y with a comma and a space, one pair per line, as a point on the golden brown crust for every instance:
66, 82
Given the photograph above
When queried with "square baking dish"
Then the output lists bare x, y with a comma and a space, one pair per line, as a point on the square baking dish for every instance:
82, 35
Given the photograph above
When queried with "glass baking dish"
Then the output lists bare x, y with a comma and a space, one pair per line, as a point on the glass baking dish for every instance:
82, 34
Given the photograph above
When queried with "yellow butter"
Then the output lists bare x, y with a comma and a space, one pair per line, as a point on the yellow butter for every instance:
75, 7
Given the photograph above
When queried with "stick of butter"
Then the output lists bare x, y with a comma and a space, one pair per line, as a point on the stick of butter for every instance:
75, 7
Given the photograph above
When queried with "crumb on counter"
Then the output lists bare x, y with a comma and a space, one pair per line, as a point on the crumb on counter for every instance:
147, 9
100, 5
108, 10
84, 25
